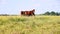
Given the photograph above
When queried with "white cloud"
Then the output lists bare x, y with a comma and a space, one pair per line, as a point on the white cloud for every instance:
36, 5
33, 0
3, 1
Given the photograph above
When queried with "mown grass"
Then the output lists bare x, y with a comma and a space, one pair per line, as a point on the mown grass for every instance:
29, 24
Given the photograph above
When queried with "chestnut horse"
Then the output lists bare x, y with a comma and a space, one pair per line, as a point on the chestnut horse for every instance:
28, 13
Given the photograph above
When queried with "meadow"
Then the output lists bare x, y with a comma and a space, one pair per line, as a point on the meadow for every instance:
29, 24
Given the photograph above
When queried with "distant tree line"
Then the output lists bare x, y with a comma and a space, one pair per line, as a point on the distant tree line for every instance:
46, 13
52, 13
7, 15
4, 15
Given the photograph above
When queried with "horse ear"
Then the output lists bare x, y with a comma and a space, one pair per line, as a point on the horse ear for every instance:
33, 9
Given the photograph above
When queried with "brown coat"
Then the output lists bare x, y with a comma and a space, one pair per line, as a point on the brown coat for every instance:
28, 13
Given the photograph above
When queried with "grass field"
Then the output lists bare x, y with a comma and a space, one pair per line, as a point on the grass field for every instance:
30, 25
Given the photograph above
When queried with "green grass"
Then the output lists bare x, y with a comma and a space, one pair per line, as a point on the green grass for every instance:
30, 25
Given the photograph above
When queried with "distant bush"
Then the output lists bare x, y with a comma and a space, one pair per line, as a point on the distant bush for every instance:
51, 13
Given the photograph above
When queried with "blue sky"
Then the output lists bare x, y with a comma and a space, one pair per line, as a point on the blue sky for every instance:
41, 6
